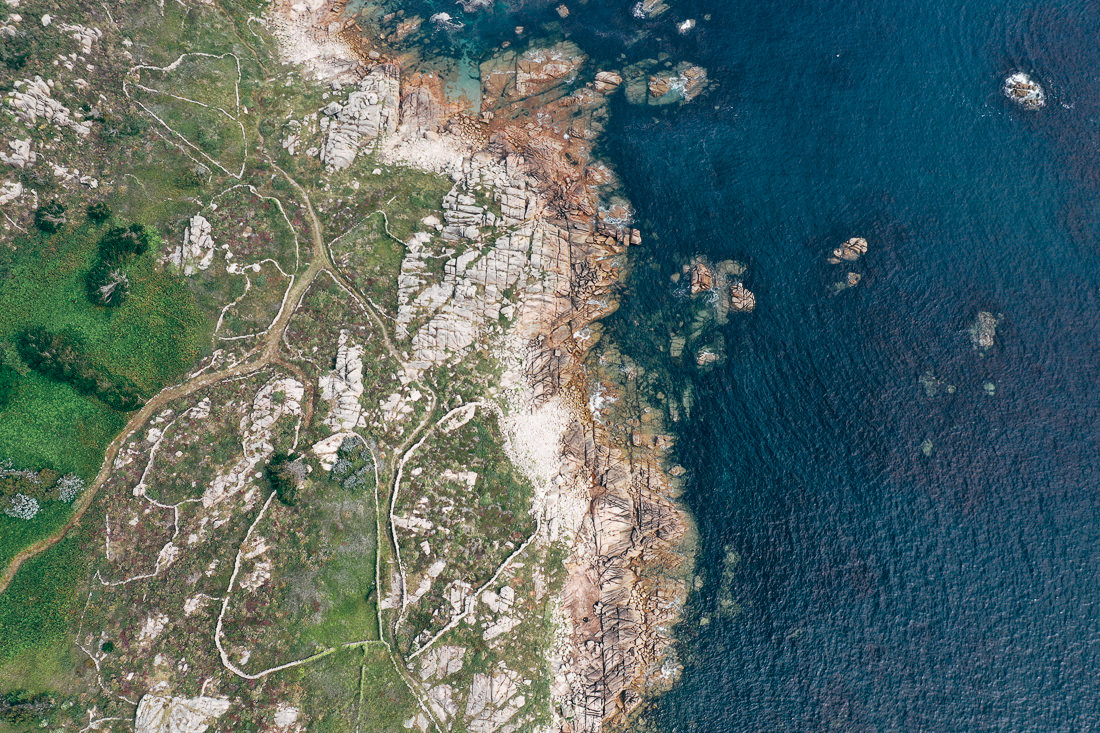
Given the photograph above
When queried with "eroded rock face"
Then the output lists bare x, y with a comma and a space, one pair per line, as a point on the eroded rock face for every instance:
167, 714
534, 279
369, 111
31, 101
196, 252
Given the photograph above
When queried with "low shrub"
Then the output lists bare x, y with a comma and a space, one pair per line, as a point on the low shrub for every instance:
61, 356
50, 217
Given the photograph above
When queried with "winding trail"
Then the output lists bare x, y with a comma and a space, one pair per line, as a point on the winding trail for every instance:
259, 357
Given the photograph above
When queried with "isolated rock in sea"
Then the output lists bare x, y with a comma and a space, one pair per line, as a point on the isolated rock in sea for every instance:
850, 251
1024, 91
607, 81
682, 83
983, 332
741, 298
702, 277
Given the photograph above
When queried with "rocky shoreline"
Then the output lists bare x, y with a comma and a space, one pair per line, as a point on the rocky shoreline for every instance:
611, 501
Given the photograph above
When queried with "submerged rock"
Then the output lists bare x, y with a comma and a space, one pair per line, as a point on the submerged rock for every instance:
983, 332
648, 8
1024, 91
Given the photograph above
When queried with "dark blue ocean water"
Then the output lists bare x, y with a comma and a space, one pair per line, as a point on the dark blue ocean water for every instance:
878, 588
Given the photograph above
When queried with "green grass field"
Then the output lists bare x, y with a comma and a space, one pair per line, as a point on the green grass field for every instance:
36, 611
152, 338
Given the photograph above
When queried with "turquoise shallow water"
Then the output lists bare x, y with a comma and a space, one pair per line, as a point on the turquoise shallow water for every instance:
877, 588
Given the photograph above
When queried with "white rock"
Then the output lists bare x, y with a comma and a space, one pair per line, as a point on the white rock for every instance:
166, 714
10, 191
196, 251
368, 112
343, 386
21, 156
31, 101
286, 716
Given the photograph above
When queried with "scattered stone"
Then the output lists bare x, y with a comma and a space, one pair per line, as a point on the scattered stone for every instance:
21, 156
31, 101
1024, 91
83, 35
10, 191
686, 26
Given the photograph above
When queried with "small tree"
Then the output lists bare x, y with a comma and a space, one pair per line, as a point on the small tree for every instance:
118, 243
107, 285
285, 475
99, 212
22, 506
15, 49
50, 217
69, 487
